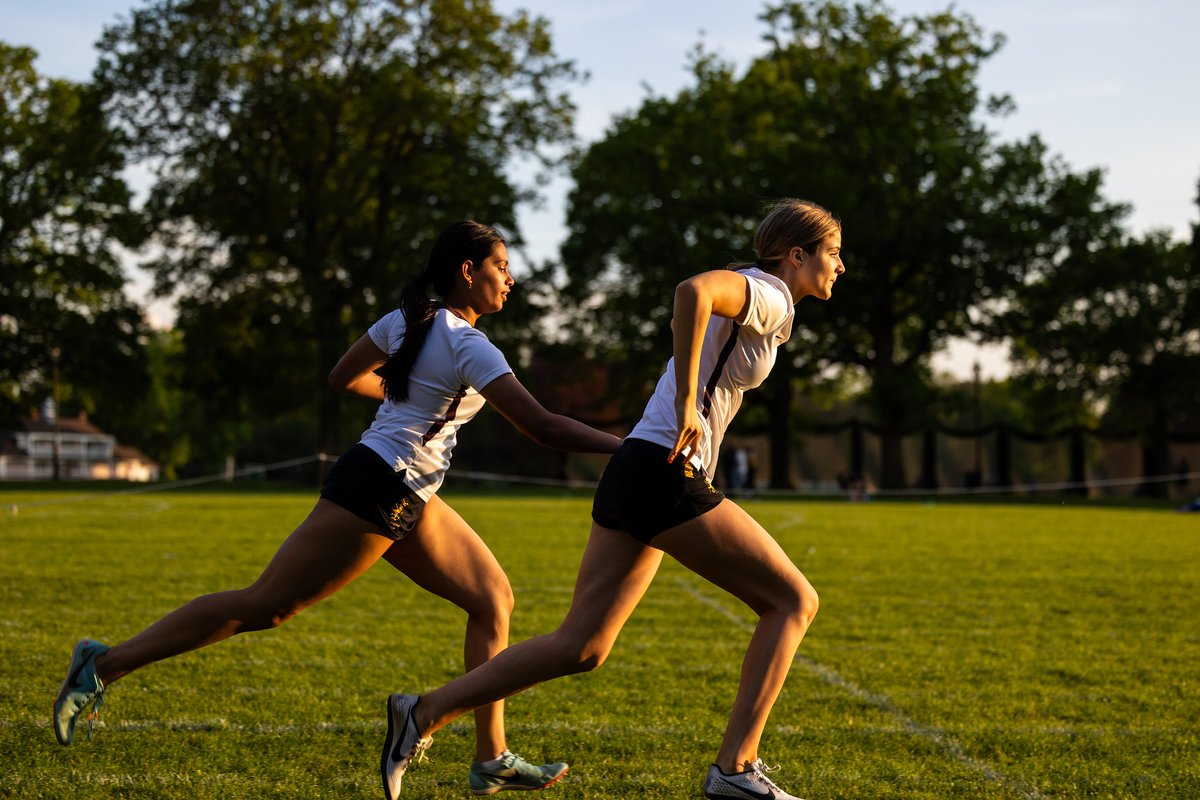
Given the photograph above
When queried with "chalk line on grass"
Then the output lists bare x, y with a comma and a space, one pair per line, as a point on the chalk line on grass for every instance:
930, 733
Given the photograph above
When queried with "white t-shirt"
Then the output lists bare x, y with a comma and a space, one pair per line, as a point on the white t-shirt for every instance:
736, 355
455, 362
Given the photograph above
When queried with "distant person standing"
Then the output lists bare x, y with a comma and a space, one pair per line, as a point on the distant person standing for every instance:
432, 370
741, 472
655, 498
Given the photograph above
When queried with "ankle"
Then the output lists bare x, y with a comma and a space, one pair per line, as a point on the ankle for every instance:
423, 722
734, 766
100, 671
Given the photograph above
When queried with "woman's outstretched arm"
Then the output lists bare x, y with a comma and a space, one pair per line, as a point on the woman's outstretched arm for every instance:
528, 416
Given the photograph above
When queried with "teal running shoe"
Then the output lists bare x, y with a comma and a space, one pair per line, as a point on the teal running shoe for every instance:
514, 772
81, 689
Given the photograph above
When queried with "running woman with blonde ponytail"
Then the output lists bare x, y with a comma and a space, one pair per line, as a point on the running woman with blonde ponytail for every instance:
432, 370
655, 498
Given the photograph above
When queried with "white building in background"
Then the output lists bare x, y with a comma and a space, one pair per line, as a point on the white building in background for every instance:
84, 452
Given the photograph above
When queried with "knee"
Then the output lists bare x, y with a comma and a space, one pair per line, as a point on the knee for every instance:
575, 654
494, 606
800, 602
807, 605
264, 613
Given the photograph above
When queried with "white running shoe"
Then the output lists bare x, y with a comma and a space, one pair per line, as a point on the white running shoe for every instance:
404, 742
753, 784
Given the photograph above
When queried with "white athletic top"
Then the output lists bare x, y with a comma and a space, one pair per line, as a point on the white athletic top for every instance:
736, 355
455, 362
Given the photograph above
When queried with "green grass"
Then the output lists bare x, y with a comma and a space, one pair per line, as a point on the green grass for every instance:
961, 651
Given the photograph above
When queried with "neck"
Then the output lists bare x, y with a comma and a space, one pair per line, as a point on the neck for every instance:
785, 274
463, 312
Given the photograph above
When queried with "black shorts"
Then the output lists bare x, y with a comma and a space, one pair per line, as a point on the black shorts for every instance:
365, 485
643, 495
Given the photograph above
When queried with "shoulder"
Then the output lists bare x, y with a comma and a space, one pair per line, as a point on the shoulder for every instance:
770, 305
460, 332
387, 329
477, 361
766, 282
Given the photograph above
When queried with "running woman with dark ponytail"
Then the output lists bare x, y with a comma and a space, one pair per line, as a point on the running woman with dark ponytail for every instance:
432, 371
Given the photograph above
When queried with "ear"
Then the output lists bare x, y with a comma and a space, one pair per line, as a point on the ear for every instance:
465, 270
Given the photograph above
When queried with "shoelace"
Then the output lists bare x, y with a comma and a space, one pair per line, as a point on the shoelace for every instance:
418, 755
761, 770
94, 714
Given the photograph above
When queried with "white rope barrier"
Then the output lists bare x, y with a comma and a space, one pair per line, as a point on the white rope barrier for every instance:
241, 472
559, 483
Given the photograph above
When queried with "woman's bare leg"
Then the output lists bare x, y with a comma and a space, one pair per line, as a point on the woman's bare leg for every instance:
446, 557
615, 573
330, 548
727, 547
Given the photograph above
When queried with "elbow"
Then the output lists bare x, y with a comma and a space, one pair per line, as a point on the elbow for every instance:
339, 381
549, 432
687, 288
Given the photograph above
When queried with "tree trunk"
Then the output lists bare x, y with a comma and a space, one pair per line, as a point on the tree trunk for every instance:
891, 458
1003, 455
1078, 462
779, 425
929, 469
331, 338
1156, 452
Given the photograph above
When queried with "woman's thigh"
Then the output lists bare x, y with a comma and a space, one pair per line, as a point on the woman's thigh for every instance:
446, 557
328, 550
613, 576
730, 549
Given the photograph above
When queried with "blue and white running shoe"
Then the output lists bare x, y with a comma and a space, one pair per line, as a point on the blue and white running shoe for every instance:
82, 688
513, 772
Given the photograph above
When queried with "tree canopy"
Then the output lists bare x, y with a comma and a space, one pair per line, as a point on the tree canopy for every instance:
64, 215
306, 154
881, 120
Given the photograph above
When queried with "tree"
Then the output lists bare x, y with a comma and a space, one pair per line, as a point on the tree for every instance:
64, 212
1120, 326
307, 153
876, 118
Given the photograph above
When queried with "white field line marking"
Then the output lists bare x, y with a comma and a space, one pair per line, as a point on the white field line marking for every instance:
928, 732
461, 727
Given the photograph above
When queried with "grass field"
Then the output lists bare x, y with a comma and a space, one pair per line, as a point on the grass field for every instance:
961, 651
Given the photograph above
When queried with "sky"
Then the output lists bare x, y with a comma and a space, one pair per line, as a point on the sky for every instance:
1107, 84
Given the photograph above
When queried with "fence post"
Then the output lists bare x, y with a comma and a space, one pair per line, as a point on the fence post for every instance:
929, 477
1078, 462
1003, 455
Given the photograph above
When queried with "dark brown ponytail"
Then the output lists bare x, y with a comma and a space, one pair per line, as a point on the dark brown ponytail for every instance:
459, 242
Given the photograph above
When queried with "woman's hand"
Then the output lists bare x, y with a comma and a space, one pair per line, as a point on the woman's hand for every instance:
690, 429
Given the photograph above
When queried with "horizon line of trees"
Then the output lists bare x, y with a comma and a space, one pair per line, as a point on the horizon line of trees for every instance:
304, 154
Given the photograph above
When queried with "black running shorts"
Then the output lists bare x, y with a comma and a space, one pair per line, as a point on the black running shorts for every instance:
643, 495
365, 485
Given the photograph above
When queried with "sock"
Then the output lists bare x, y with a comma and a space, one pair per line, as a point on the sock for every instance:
493, 764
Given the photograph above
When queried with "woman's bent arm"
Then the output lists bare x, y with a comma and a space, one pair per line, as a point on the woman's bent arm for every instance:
355, 370
528, 416
719, 292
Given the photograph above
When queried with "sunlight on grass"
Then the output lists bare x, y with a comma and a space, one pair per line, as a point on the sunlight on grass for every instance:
961, 651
